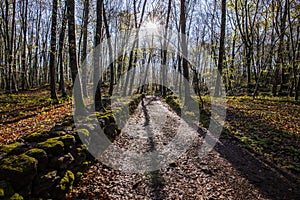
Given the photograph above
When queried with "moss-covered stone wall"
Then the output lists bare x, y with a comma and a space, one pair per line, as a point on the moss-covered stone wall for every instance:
46, 164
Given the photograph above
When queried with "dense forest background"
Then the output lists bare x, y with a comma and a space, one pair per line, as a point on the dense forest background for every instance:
254, 44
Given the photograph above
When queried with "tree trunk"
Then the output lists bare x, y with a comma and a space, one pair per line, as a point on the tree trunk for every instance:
24, 18
164, 51
111, 64
97, 69
60, 54
73, 57
53, 51
85, 42
221, 50
184, 51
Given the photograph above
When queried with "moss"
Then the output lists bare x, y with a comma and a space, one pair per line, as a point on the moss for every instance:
85, 164
68, 140
67, 181
35, 137
52, 145
50, 175
108, 117
16, 163
16, 196
17, 166
174, 103
82, 132
10, 147
67, 123
36, 153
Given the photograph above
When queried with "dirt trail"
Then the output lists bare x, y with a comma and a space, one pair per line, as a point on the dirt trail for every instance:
228, 172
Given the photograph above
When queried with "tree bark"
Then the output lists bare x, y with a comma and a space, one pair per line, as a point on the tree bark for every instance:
97, 68
111, 64
184, 51
53, 51
60, 54
221, 50
73, 57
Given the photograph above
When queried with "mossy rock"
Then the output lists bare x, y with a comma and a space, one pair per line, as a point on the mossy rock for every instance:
16, 196
66, 183
13, 149
6, 189
36, 137
36, 153
44, 182
68, 140
67, 123
52, 146
82, 132
112, 131
19, 170
80, 155
84, 166
9, 147
107, 117
78, 177
40, 155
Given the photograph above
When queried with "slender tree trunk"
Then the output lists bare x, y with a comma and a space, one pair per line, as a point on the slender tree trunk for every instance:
60, 54
85, 43
221, 50
97, 69
184, 51
111, 64
53, 51
24, 18
78, 98
164, 51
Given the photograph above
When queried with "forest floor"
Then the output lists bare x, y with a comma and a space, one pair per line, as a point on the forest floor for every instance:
229, 171
256, 157
28, 112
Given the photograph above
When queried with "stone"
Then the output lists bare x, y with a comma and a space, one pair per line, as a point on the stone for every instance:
6, 189
112, 130
14, 148
58, 133
36, 137
68, 140
62, 162
43, 183
19, 170
79, 154
52, 146
40, 155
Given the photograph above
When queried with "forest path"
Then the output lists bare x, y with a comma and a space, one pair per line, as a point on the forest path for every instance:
227, 172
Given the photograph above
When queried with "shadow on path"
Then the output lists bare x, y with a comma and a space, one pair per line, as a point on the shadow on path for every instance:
155, 177
272, 181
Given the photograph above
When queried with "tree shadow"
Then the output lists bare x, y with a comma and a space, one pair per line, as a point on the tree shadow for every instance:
156, 179
272, 181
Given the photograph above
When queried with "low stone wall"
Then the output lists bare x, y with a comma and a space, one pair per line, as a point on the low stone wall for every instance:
43, 164
46, 164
